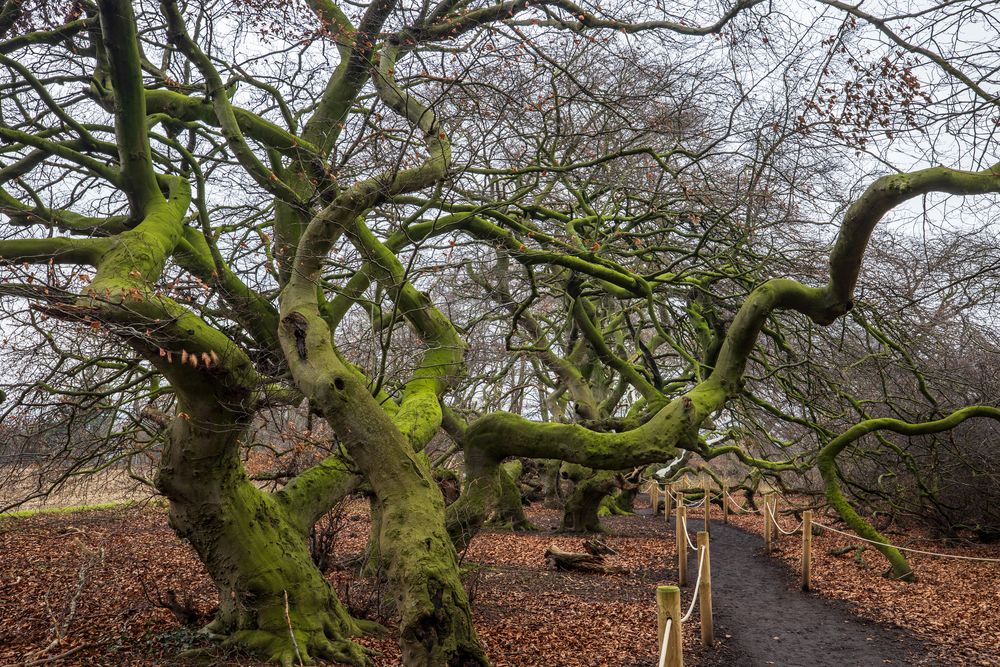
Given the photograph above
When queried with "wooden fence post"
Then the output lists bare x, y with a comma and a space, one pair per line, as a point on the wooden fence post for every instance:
767, 524
725, 503
668, 605
705, 590
682, 544
775, 533
654, 497
807, 541
708, 506
668, 500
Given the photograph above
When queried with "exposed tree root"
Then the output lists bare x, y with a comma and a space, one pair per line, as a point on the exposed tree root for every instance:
278, 647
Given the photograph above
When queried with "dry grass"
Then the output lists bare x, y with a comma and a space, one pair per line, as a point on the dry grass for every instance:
18, 483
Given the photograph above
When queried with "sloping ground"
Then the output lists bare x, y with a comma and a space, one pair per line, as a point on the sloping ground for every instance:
85, 586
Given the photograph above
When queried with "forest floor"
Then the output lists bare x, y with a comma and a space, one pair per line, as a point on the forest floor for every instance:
87, 586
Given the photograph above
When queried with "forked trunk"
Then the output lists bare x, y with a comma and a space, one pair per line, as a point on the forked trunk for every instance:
272, 598
435, 620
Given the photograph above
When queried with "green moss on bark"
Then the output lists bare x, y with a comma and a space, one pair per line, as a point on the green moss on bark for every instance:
509, 511
254, 551
583, 505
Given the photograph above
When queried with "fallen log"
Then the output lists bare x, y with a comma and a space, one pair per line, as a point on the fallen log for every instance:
580, 562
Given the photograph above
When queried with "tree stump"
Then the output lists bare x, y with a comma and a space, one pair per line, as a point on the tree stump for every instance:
598, 547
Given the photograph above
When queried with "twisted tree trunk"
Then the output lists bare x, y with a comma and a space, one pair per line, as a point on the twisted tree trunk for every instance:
581, 512
254, 547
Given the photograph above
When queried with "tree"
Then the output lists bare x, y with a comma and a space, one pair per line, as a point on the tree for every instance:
232, 181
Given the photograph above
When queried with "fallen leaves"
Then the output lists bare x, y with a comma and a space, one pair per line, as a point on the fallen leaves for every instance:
526, 614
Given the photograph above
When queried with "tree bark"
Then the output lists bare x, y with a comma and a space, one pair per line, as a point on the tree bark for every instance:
581, 513
421, 563
551, 482
510, 507
254, 548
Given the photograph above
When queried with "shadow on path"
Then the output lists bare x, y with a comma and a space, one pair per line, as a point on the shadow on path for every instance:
763, 618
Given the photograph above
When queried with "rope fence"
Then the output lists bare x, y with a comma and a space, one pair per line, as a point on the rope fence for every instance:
914, 551
665, 643
669, 604
668, 607
773, 516
668, 597
795, 530
697, 585
855, 536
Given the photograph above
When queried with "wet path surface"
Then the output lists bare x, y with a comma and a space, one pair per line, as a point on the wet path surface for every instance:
770, 621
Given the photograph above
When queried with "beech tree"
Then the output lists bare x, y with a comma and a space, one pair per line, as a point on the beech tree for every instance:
275, 204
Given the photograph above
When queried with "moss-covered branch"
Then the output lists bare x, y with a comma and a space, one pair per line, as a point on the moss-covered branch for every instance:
188, 108
137, 256
310, 494
436, 625
419, 414
254, 312
356, 47
503, 434
38, 37
584, 313
826, 461
58, 250
62, 150
581, 19
499, 435
231, 130
121, 44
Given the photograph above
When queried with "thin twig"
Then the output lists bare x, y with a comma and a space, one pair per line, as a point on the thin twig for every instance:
61, 656
291, 633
